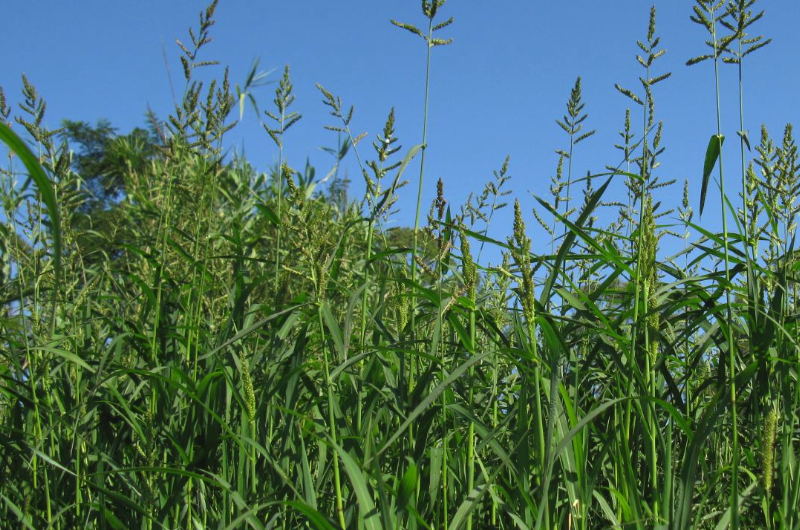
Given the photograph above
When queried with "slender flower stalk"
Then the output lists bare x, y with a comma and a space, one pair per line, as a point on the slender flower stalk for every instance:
470, 275
643, 280
573, 123
743, 18
284, 119
430, 9
708, 13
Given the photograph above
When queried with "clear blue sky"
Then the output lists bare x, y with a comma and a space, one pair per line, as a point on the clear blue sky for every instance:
495, 91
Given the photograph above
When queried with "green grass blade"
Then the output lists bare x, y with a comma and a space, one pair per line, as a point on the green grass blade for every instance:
45, 188
712, 154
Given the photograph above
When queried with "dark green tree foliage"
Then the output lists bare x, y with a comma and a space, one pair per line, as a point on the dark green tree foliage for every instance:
103, 158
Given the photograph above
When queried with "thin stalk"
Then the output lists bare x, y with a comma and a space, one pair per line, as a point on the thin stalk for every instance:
495, 421
750, 283
412, 368
569, 186
441, 350
421, 170
538, 391
366, 281
734, 499
486, 229
471, 429
370, 232
283, 99
744, 170
332, 422
686, 215
638, 282
571, 274
280, 203
650, 412
331, 413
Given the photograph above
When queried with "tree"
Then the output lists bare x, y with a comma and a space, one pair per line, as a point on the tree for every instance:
104, 159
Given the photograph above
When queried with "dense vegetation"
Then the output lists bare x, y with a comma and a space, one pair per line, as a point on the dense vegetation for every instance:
189, 343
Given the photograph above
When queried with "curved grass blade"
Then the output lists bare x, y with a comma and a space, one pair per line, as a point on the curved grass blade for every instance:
367, 510
314, 517
406, 491
45, 188
22, 518
712, 154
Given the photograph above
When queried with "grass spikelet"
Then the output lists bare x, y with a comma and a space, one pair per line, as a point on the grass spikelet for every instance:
247, 386
768, 450
521, 252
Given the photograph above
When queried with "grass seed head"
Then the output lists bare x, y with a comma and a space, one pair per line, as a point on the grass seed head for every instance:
768, 449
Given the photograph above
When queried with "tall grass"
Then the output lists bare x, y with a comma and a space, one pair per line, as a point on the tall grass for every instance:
223, 348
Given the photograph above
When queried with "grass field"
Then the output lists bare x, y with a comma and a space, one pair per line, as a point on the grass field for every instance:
215, 347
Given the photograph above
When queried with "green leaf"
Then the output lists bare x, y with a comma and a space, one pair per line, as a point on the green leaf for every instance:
269, 214
22, 517
712, 154
335, 330
366, 507
745, 138
469, 505
571, 299
68, 357
314, 517
408, 485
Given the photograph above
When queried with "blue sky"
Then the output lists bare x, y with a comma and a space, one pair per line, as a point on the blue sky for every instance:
496, 90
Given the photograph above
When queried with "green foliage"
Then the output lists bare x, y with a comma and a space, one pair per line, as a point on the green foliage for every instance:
165, 363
